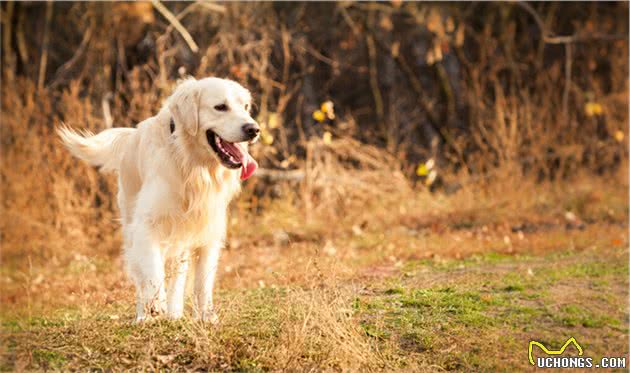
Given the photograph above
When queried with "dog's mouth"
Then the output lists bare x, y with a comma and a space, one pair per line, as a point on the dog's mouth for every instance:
232, 155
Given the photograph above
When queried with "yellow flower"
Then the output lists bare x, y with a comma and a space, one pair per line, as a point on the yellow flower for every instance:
327, 138
319, 116
266, 138
328, 108
422, 170
619, 135
274, 120
593, 108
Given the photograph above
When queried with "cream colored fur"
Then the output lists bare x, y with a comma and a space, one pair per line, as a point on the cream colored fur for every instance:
173, 191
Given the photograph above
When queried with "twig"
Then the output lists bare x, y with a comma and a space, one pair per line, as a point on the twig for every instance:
107, 113
181, 15
447, 89
417, 87
353, 26
121, 59
551, 38
21, 40
63, 69
426, 106
286, 55
178, 26
451, 112
376, 91
292, 175
305, 47
212, 6
315, 53
7, 19
568, 48
45, 44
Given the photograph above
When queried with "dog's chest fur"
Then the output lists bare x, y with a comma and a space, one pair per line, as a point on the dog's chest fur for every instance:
199, 214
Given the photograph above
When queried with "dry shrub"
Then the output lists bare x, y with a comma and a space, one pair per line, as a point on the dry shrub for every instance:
523, 130
292, 329
47, 211
343, 185
347, 174
321, 324
475, 86
261, 329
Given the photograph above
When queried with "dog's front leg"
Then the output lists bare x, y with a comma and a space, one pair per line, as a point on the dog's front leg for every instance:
146, 267
177, 286
206, 262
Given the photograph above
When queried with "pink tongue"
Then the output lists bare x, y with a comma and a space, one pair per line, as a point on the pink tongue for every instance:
241, 156
249, 166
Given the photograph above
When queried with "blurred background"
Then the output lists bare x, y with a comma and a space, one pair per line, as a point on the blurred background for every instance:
358, 102
392, 132
438, 94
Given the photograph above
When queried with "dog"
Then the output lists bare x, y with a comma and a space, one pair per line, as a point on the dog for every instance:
177, 172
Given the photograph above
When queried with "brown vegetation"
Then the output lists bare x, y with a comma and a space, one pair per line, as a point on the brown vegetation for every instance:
522, 108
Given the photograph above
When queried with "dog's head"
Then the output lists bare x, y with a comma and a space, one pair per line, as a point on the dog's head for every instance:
215, 114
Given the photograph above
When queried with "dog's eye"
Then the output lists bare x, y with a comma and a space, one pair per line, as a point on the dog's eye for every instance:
246, 107
221, 107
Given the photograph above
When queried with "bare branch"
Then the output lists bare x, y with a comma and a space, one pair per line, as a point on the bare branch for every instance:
550, 38
107, 113
292, 175
20, 38
63, 69
568, 48
376, 92
43, 61
212, 6
175, 23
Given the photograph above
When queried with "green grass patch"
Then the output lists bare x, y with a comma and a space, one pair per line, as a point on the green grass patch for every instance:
48, 359
594, 269
448, 264
574, 315
465, 306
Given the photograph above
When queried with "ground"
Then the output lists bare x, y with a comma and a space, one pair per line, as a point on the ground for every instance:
461, 289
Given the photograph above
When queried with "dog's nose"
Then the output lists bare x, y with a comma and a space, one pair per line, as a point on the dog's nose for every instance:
251, 130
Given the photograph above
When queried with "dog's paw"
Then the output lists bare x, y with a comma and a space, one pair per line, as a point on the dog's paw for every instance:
150, 314
175, 315
210, 317
139, 320
157, 311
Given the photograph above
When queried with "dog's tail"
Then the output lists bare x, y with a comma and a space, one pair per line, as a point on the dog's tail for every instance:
104, 149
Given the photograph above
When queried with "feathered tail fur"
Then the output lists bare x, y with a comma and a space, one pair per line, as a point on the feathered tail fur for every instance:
104, 149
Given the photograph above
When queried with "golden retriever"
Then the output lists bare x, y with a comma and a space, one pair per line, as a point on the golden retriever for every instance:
177, 172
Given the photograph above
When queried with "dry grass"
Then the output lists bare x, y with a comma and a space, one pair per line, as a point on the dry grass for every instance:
300, 293
413, 313
319, 282
316, 274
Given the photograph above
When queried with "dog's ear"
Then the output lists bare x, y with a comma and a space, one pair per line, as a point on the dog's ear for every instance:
184, 106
